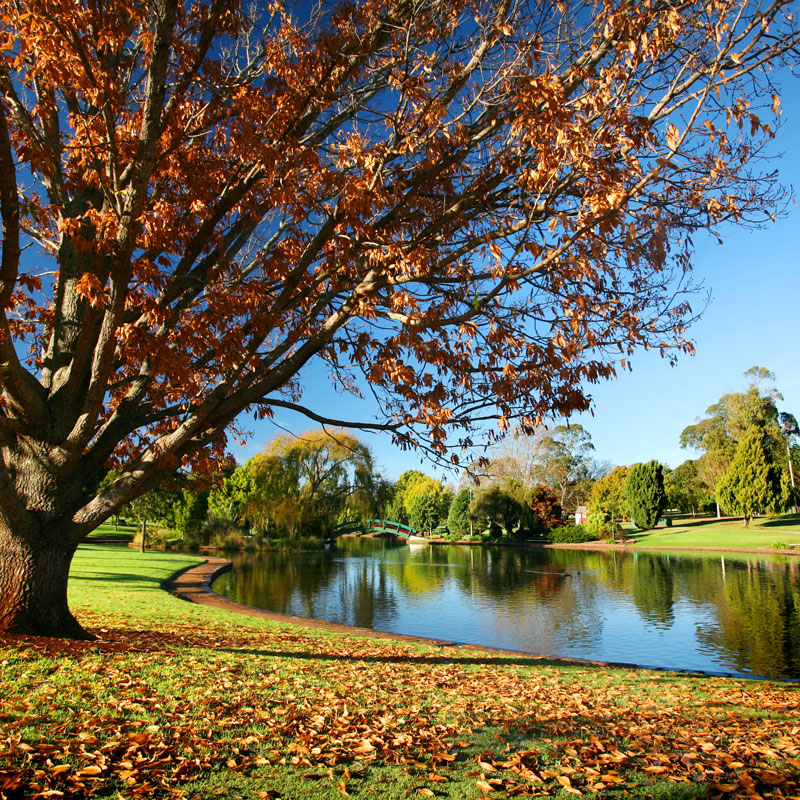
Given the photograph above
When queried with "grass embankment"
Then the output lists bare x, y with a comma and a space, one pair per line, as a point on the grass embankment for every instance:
180, 700
686, 531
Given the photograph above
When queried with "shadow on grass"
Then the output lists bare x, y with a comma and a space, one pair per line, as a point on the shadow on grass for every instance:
117, 577
467, 660
781, 522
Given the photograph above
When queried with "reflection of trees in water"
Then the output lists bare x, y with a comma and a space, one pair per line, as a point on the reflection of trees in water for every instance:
759, 620
312, 584
756, 604
274, 580
364, 595
540, 596
653, 588
747, 613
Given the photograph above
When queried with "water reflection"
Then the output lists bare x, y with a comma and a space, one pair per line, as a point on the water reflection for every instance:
680, 611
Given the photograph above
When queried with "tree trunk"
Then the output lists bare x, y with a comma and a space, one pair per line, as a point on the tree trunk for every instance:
33, 586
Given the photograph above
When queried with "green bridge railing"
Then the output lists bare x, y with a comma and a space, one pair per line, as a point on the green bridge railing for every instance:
368, 526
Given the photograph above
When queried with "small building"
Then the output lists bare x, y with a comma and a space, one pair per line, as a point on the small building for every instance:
581, 515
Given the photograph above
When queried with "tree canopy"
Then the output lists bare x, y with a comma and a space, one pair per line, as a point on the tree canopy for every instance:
607, 496
474, 208
644, 491
753, 483
300, 484
731, 418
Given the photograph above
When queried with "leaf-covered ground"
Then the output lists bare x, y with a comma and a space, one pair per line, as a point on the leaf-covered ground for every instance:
179, 700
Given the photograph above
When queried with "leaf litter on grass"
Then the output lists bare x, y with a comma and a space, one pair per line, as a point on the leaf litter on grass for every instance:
154, 712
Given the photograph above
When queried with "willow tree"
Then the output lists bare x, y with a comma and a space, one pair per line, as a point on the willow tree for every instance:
477, 206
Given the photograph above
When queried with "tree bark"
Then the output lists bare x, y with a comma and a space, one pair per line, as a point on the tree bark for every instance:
33, 586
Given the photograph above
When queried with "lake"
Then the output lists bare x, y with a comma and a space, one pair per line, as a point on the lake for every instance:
717, 613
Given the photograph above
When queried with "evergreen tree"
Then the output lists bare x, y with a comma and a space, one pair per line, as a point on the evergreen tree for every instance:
458, 516
752, 483
644, 490
423, 511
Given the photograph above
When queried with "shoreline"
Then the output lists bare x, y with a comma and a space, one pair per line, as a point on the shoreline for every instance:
598, 546
193, 584
618, 546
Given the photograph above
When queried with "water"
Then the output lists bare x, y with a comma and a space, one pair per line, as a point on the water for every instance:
721, 613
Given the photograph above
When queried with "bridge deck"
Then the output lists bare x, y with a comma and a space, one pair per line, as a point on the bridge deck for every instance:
372, 526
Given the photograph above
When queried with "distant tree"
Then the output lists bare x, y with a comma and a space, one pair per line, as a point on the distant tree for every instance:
424, 510
154, 506
607, 495
302, 482
685, 488
644, 490
717, 435
752, 484
498, 509
190, 513
791, 430
396, 509
410, 481
545, 509
561, 459
229, 500
458, 515
429, 485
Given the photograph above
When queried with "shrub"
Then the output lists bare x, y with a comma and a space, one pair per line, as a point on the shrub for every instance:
779, 546
572, 534
596, 524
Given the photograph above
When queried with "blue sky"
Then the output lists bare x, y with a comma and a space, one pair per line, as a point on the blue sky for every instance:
753, 319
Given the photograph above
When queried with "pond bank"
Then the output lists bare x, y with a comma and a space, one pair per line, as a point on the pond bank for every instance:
193, 584
177, 699
626, 548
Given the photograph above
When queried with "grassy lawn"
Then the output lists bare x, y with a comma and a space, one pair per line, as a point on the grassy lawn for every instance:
122, 532
711, 532
178, 700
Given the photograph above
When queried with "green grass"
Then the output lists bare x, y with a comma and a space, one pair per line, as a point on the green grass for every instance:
123, 532
723, 534
179, 700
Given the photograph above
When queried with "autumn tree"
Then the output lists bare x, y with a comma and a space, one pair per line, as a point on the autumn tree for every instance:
475, 207
544, 508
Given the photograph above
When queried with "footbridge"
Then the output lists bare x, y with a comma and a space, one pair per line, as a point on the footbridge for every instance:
373, 527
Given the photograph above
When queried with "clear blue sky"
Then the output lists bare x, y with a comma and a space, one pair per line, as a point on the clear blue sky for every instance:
753, 318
